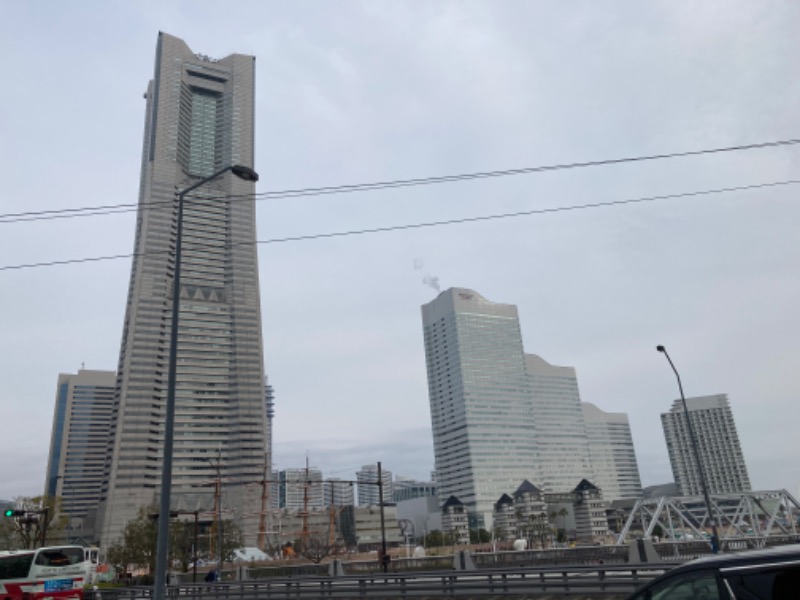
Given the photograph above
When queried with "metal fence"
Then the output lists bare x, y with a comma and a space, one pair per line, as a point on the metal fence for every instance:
566, 581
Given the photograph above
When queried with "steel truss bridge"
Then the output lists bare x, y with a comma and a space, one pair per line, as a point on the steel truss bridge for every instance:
749, 518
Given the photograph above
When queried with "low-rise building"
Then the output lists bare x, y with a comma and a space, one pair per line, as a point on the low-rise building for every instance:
455, 520
504, 521
360, 526
591, 525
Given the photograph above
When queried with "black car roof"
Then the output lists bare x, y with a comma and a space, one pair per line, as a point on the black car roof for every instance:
746, 557
735, 562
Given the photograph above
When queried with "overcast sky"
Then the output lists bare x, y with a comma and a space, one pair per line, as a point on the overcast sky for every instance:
351, 92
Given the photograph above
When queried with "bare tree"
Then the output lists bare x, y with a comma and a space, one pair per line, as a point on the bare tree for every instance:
316, 546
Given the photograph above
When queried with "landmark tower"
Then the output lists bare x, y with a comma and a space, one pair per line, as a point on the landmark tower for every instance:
199, 119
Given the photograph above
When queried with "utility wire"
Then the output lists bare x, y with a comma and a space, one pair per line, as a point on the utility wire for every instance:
317, 236
381, 185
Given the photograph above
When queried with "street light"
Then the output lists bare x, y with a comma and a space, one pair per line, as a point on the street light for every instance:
247, 174
384, 555
700, 470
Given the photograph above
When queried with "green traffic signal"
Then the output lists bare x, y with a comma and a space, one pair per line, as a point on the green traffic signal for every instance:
10, 512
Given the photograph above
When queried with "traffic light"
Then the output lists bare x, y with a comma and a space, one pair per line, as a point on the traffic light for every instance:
11, 512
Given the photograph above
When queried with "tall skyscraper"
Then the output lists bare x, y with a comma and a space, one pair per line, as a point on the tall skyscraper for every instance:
499, 416
616, 470
480, 398
717, 442
562, 444
368, 491
199, 119
81, 420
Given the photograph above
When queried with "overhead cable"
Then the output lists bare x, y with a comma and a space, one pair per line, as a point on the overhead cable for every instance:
540, 211
381, 185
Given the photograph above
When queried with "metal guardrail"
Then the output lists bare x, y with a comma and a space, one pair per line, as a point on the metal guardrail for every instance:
566, 581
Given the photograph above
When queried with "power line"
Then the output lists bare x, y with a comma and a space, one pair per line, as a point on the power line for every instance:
318, 236
382, 185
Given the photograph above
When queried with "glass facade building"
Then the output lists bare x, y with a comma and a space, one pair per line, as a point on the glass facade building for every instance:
81, 420
499, 416
480, 399
199, 118
562, 445
616, 469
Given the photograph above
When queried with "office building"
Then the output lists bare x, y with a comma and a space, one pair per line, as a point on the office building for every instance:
269, 413
300, 489
613, 457
82, 417
499, 416
717, 442
404, 488
562, 443
480, 399
337, 492
198, 120
368, 490
360, 527
419, 516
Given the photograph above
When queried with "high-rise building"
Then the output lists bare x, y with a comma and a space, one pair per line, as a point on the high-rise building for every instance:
198, 119
562, 443
337, 492
368, 490
300, 489
480, 399
612, 453
717, 442
269, 412
404, 488
78, 441
499, 416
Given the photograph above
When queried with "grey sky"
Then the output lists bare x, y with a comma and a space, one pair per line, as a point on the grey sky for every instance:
366, 91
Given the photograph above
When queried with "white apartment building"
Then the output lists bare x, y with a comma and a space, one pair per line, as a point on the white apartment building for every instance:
368, 490
718, 446
300, 489
336, 492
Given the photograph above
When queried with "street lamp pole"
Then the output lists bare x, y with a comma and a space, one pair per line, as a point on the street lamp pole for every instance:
700, 469
159, 589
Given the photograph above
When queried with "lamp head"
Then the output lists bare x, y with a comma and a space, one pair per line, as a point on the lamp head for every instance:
245, 173
661, 348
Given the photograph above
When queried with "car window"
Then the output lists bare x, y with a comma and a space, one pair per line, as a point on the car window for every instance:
15, 566
688, 586
776, 584
59, 557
